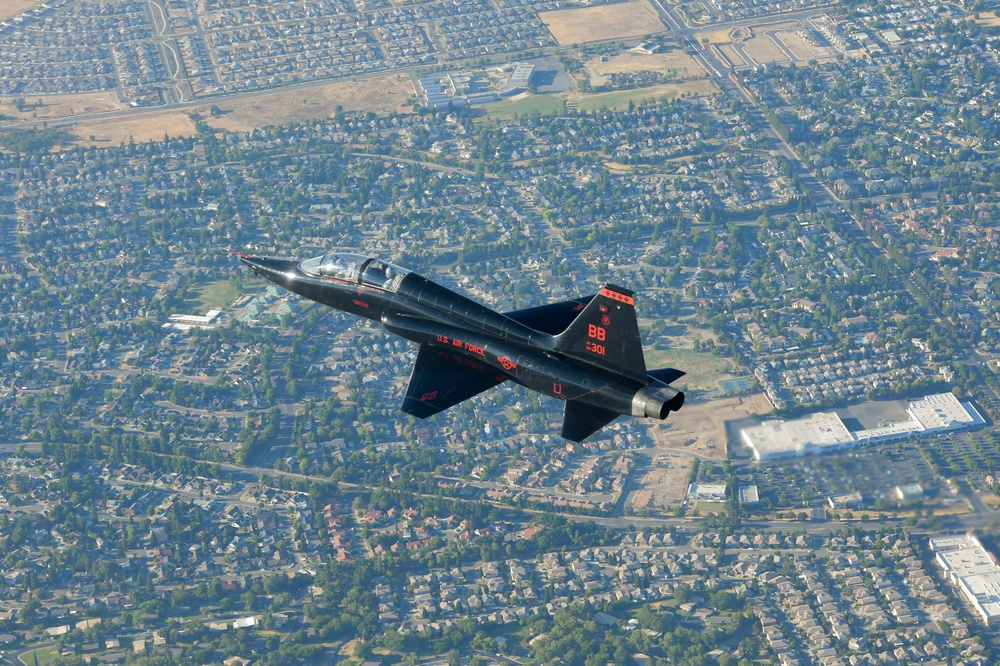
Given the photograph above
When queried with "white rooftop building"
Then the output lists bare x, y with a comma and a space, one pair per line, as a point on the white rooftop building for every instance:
749, 494
707, 492
943, 411
974, 570
822, 431
825, 431
182, 322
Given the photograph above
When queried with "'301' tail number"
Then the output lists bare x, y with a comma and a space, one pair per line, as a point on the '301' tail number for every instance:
599, 333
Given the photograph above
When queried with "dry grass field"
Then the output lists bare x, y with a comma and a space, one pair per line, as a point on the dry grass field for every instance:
592, 24
759, 47
60, 106
984, 18
380, 95
700, 427
732, 55
677, 62
716, 36
762, 49
9, 8
138, 128
804, 49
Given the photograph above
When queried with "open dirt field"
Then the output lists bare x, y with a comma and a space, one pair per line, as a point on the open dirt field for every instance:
592, 24
380, 95
984, 18
665, 484
700, 427
716, 36
9, 8
990, 500
730, 53
60, 106
762, 49
802, 48
678, 63
138, 128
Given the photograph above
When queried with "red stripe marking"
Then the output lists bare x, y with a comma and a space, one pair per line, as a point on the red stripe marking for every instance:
615, 296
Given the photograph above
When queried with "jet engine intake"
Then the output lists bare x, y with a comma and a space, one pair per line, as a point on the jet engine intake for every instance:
656, 402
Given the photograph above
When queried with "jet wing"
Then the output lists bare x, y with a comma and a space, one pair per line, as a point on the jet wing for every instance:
442, 378
553, 318
582, 420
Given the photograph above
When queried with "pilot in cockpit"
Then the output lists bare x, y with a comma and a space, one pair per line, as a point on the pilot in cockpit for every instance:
378, 274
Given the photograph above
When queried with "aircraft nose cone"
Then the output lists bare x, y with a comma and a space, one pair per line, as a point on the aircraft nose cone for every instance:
279, 271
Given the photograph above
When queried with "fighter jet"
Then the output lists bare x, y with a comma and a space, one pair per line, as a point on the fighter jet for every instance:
585, 351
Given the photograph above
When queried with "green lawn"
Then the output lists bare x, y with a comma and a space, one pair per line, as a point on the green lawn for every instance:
620, 99
216, 295
44, 655
546, 104
707, 508
703, 370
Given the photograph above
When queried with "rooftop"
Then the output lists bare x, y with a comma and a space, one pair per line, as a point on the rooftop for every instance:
825, 431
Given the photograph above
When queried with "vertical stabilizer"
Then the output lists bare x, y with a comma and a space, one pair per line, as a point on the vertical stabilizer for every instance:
606, 334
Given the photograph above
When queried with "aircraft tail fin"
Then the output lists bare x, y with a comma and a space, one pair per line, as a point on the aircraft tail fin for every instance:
606, 334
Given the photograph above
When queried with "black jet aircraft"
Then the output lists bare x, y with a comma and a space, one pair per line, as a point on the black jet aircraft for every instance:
585, 351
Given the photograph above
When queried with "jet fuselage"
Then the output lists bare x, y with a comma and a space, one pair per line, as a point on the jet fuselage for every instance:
463, 341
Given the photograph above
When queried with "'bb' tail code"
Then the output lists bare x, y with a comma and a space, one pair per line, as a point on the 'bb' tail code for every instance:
606, 334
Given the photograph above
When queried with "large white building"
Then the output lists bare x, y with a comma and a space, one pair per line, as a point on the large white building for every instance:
974, 570
825, 431
706, 492
183, 322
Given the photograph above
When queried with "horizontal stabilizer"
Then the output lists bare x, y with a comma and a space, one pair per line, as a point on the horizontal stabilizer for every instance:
552, 318
582, 420
442, 378
606, 335
667, 375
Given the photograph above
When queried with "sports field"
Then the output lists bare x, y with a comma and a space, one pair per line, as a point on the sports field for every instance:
738, 385
216, 295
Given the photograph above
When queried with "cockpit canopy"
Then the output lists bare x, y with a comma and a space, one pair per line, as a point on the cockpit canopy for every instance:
355, 268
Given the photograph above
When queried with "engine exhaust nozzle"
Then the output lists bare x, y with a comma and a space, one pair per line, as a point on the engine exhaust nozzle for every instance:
656, 403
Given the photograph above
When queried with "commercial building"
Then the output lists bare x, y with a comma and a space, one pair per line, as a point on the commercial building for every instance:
820, 432
973, 570
851, 500
909, 491
749, 495
707, 492
182, 322
825, 431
